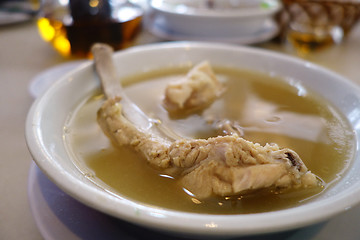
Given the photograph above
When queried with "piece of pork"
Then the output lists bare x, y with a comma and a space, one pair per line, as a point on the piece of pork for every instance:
197, 90
223, 165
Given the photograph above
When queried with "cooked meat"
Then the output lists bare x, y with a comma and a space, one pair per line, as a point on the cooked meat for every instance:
197, 90
223, 165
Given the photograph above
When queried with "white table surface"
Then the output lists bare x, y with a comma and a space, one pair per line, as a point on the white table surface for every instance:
23, 55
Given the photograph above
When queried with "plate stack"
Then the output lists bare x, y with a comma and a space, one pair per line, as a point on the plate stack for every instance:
231, 21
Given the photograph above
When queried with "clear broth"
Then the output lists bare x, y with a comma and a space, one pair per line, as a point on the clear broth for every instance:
268, 108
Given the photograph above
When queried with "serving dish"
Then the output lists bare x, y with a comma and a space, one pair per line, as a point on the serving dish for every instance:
45, 129
195, 18
268, 31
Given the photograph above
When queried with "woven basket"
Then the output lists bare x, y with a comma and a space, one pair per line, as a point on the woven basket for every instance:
342, 13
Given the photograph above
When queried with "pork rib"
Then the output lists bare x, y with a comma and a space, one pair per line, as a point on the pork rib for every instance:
223, 165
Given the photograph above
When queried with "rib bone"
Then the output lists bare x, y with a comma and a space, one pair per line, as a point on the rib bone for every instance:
103, 58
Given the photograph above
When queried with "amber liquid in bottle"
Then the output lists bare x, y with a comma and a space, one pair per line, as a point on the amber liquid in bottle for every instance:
73, 34
305, 43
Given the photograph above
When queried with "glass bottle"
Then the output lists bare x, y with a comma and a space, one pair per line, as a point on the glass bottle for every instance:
73, 26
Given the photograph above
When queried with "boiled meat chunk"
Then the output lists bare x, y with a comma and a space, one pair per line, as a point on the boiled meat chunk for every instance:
197, 90
223, 165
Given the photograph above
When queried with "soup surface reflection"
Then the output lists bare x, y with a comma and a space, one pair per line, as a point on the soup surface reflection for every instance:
269, 109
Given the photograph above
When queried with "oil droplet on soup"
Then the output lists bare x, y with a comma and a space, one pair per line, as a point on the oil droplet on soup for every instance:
269, 109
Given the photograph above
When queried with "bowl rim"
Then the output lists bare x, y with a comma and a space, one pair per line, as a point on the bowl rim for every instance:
217, 15
171, 220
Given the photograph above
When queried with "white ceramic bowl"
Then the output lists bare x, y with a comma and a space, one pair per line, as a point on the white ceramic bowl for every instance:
46, 119
190, 18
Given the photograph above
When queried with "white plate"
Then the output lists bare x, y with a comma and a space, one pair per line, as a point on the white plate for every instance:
10, 18
59, 216
267, 32
41, 82
12, 12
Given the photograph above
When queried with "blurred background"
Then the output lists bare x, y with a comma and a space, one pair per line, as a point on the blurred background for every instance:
71, 26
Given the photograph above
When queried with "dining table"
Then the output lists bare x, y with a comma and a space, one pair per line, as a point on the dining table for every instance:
32, 207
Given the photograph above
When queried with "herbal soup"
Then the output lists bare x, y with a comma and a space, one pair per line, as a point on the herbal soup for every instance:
268, 109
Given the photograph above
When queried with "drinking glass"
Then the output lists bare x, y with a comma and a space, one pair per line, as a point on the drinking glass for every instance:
317, 24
